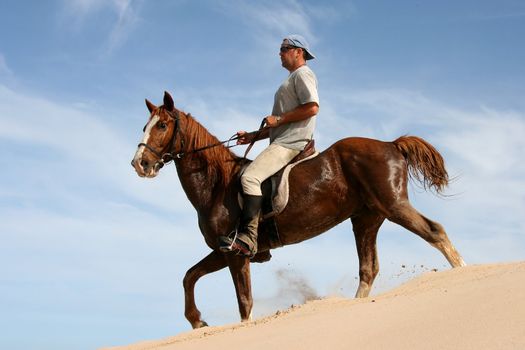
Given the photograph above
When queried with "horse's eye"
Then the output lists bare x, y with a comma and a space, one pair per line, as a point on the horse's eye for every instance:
162, 125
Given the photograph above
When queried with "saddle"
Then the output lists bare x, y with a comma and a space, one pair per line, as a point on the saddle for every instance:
275, 191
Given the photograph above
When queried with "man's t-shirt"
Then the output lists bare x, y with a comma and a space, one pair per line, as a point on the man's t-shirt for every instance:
299, 88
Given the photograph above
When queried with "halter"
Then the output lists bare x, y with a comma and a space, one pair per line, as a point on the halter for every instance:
169, 156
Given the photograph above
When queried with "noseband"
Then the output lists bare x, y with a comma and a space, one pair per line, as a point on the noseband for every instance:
170, 155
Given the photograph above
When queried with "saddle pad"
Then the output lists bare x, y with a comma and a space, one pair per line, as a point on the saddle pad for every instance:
282, 192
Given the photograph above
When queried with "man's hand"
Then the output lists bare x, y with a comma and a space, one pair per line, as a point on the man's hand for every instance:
244, 137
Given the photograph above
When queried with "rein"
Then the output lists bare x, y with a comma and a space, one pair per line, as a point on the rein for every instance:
181, 154
255, 137
169, 156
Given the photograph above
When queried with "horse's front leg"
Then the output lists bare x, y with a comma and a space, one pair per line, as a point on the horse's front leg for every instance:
211, 263
240, 271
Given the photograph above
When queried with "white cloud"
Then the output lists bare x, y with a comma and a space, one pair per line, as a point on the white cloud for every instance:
126, 17
490, 141
271, 20
81, 148
82, 7
487, 139
289, 16
79, 226
330, 14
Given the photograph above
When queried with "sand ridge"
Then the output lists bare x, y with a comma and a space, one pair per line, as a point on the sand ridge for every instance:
474, 307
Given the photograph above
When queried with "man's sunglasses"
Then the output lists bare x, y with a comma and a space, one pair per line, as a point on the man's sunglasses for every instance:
286, 48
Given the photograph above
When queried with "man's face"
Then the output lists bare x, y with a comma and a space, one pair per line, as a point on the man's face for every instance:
289, 55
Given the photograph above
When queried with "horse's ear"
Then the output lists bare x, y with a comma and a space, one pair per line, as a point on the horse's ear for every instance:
168, 102
150, 106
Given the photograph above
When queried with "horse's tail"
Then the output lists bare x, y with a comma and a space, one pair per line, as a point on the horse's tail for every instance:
424, 162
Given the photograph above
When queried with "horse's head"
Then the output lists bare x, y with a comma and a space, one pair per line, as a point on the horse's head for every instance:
160, 133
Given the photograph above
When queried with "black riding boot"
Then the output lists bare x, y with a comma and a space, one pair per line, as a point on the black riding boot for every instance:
245, 242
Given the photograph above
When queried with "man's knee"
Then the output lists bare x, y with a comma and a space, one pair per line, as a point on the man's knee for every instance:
251, 185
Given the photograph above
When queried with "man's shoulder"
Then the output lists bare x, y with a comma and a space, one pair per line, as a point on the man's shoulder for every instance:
304, 69
303, 72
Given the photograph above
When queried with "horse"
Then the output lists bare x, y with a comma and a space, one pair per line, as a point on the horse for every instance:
360, 179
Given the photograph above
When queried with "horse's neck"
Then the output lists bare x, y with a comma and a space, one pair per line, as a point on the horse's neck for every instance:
203, 186
195, 182
205, 173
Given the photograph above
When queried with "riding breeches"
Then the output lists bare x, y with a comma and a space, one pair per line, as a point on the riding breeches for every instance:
267, 163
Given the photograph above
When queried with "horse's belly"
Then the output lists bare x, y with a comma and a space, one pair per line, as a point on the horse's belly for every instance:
315, 208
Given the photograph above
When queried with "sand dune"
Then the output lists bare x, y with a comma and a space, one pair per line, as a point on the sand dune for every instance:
475, 307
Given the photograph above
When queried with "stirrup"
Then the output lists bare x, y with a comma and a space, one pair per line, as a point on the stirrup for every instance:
228, 244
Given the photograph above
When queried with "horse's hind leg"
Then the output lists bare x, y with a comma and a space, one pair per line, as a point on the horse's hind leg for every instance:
432, 232
366, 226
211, 263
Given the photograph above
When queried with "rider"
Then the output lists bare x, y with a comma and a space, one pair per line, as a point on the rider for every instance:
289, 128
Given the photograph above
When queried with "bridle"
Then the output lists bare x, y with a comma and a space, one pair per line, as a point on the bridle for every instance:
165, 158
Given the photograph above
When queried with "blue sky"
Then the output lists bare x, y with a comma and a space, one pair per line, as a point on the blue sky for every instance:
91, 255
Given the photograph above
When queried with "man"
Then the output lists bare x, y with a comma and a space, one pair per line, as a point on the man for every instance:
289, 128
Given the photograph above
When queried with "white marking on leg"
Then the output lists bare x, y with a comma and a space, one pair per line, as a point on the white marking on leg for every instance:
450, 253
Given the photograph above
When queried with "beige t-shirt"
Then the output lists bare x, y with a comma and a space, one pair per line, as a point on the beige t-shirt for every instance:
298, 88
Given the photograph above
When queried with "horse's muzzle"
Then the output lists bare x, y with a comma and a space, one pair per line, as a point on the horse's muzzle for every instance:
145, 168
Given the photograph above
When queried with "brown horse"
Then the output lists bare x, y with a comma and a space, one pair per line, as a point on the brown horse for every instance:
357, 178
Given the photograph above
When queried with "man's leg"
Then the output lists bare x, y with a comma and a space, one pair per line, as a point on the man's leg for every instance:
270, 161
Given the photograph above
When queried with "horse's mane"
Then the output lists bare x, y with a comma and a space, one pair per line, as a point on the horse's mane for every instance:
220, 161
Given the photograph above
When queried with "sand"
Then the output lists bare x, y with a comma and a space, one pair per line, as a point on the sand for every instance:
474, 307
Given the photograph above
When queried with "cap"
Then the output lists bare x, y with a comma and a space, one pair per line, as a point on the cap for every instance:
299, 41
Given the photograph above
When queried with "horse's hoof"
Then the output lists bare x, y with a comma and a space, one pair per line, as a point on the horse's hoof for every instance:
199, 324
202, 324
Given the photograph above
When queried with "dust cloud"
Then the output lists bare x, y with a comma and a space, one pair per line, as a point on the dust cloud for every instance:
294, 286
292, 289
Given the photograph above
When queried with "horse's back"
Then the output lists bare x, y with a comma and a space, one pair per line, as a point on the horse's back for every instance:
354, 157
363, 145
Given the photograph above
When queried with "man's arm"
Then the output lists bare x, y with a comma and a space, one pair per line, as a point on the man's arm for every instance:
301, 112
247, 137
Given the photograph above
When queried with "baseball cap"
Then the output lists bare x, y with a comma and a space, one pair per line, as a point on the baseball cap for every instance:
299, 41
